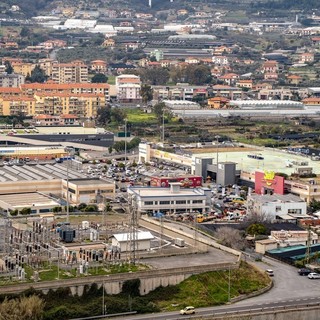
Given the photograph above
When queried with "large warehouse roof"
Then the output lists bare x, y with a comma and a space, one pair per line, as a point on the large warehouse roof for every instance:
36, 172
274, 104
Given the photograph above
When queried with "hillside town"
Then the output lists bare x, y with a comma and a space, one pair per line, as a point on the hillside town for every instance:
143, 145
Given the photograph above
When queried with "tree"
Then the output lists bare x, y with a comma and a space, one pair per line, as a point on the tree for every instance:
146, 93
103, 115
91, 208
25, 211
158, 109
256, 229
314, 205
230, 237
197, 74
37, 75
81, 206
9, 68
107, 207
117, 115
99, 78
25, 32
154, 76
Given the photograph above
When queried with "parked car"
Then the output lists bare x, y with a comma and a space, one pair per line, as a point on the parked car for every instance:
314, 275
270, 272
188, 310
304, 271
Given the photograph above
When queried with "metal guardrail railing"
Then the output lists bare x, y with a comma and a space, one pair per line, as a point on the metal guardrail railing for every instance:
107, 316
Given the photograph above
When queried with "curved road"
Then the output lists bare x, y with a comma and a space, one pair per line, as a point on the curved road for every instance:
289, 290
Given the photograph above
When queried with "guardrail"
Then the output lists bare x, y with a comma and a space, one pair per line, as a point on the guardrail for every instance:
107, 316
250, 312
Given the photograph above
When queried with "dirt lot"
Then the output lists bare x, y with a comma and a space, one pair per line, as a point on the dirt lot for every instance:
109, 218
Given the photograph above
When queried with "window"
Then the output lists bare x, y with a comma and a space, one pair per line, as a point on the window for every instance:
164, 202
196, 201
295, 211
278, 208
181, 202
148, 203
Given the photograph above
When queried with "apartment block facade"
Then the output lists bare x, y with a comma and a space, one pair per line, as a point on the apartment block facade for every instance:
73, 72
79, 99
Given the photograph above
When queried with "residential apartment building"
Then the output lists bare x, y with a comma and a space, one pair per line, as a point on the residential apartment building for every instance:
128, 88
81, 100
62, 120
84, 105
99, 66
24, 68
46, 65
270, 66
179, 92
75, 88
306, 57
13, 105
73, 72
11, 80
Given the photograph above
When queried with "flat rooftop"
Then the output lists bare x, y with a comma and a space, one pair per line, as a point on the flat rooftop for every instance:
165, 192
85, 182
275, 198
27, 200
66, 130
274, 159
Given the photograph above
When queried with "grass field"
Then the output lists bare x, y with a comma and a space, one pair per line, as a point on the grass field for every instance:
138, 116
210, 288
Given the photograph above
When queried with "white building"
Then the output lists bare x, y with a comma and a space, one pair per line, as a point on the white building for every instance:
122, 240
181, 105
13, 80
128, 88
173, 199
288, 207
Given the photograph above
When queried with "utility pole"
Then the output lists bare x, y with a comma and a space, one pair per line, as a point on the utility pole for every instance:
125, 143
163, 126
133, 230
308, 251
103, 308
229, 285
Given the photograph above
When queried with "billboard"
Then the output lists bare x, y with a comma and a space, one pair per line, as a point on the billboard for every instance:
186, 182
268, 181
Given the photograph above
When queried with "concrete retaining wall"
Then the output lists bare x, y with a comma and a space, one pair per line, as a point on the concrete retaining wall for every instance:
150, 280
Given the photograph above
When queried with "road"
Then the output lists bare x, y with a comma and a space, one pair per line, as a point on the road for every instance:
289, 289
230, 309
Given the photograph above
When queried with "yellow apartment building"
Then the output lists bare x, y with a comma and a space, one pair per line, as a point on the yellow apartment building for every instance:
13, 105
23, 68
82, 105
73, 72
